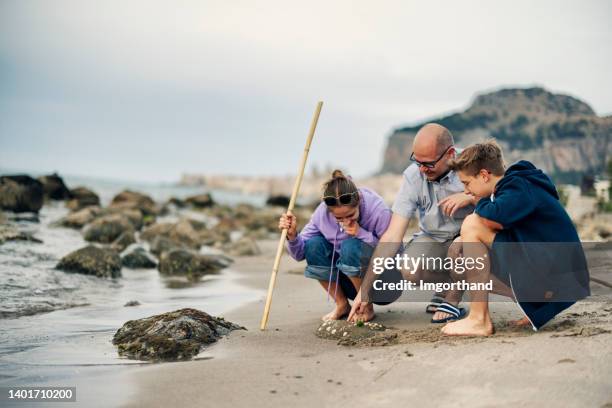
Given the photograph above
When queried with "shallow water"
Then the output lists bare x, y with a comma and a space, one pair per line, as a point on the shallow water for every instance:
56, 327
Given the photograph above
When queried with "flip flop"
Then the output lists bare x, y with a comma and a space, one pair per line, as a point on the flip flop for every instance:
456, 313
433, 304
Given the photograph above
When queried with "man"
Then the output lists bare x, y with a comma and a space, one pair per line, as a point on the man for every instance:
433, 190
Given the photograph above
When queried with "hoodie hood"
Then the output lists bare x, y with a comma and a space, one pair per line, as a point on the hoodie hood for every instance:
527, 171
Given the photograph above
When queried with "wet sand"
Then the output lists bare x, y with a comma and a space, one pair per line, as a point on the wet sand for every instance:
569, 363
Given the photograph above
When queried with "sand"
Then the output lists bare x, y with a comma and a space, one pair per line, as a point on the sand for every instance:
408, 363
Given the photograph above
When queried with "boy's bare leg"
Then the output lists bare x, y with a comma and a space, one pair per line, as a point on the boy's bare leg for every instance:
342, 305
477, 239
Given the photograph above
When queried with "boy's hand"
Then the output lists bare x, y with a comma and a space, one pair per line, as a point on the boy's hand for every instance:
454, 202
288, 221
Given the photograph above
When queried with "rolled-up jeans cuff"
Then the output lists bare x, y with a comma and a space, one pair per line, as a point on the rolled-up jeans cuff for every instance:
348, 270
319, 272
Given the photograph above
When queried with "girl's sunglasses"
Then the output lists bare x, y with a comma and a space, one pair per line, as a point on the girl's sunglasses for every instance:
344, 199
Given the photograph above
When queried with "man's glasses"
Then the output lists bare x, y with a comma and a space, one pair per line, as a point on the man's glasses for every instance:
344, 199
430, 164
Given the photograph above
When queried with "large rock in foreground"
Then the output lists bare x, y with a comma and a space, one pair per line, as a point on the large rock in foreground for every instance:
20, 193
178, 335
92, 260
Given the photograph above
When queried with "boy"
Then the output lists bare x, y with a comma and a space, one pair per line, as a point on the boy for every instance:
530, 244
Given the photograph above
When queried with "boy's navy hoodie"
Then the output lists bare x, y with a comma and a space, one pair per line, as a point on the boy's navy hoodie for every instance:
538, 251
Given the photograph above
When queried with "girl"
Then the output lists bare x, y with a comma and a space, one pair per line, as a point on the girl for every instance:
339, 239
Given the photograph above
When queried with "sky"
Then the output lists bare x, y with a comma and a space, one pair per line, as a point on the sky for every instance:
147, 90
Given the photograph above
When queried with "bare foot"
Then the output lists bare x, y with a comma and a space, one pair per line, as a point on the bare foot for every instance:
524, 322
469, 327
338, 313
366, 316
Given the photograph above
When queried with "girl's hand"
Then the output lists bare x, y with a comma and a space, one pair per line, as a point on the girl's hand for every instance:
288, 221
351, 228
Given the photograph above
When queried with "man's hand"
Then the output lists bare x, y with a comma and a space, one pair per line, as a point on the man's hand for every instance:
359, 308
454, 202
351, 228
288, 221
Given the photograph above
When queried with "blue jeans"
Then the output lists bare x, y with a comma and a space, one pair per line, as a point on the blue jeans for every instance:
347, 259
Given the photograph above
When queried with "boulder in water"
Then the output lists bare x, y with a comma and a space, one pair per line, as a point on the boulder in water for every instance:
92, 260
78, 219
20, 193
278, 201
178, 335
133, 200
108, 228
201, 200
123, 241
138, 258
82, 197
245, 246
54, 187
181, 233
191, 264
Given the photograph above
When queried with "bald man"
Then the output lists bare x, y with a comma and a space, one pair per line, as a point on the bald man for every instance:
434, 192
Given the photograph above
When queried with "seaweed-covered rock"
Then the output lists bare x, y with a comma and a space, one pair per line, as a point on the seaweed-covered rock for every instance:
178, 335
278, 200
201, 200
123, 241
10, 233
191, 264
82, 197
79, 218
243, 247
138, 258
92, 260
182, 233
20, 193
133, 200
108, 228
54, 187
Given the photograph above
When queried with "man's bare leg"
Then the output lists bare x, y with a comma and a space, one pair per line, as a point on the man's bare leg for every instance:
342, 305
477, 239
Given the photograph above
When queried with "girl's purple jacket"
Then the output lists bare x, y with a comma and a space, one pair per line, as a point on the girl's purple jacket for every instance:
374, 218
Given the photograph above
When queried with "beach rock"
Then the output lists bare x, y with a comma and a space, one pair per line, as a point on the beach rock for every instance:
78, 219
201, 200
182, 233
177, 202
133, 200
107, 229
20, 193
134, 215
177, 335
278, 200
190, 264
162, 244
82, 197
123, 241
138, 258
10, 233
132, 303
92, 260
245, 246
54, 187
